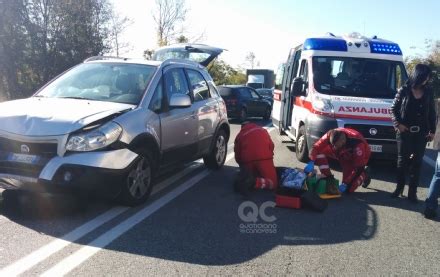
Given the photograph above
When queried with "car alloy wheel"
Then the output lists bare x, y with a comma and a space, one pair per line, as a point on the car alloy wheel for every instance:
221, 149
139, 179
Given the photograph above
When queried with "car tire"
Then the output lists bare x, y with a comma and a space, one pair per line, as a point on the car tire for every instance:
267, 113
138, 182
301, 147
217, 157
243, 115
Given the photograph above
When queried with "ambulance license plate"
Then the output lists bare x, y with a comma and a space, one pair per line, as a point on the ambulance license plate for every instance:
375, 148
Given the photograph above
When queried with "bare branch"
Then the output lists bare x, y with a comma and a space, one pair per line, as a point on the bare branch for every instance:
168, 14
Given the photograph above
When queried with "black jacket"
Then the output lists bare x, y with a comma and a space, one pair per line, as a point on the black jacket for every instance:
400, 107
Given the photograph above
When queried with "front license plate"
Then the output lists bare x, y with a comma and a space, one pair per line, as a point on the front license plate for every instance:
375, 148
23, 158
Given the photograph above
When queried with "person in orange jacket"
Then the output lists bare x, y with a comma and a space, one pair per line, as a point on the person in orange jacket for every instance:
352, 151
254, 154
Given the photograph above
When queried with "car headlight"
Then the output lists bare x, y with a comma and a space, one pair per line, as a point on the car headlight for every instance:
95, 139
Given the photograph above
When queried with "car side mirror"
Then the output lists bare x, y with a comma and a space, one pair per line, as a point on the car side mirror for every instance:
180, 101
298, 87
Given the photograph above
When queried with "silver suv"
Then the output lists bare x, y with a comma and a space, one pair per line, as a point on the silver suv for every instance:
110, 124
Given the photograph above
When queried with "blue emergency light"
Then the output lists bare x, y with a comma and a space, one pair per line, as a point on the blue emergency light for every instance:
385, 48
326, 44
333, 44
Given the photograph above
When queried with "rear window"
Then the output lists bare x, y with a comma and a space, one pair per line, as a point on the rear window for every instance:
226, 92
165, 54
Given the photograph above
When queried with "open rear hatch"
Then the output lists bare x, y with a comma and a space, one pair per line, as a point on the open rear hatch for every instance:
200, 53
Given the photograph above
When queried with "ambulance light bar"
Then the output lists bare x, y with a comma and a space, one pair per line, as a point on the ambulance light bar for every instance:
385, 48
326, 44
333, 44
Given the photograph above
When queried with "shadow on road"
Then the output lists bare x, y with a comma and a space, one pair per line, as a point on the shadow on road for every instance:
383, 170
203, 226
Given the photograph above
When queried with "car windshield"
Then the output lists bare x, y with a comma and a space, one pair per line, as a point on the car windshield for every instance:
358, 77
113, 82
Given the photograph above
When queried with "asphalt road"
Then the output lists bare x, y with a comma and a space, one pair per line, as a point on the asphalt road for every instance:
192, 226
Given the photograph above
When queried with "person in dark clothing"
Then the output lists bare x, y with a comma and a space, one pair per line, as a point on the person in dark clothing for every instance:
414, 118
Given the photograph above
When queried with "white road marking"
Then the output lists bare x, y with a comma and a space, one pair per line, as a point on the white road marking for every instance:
56, 245
3, 219
159, 187
83, 254
44, 252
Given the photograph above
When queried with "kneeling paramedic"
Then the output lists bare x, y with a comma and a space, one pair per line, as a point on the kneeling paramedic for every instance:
254, 154
352, 151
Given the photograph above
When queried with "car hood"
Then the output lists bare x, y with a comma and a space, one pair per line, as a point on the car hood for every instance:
53, 116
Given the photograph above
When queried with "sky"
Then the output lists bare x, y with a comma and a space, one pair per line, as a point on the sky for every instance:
271, 28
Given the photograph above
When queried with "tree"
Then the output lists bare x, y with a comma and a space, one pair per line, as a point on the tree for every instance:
12, 45
168, 14
431, 57
148, 54
42, 38
118, 25
250, 59
224, 74
182, 39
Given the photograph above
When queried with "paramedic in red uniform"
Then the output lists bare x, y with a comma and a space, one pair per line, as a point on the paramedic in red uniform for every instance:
352, 151
254, 154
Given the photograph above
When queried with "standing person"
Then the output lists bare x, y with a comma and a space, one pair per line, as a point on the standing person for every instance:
434, 192
414, 118
254, 154
352, 151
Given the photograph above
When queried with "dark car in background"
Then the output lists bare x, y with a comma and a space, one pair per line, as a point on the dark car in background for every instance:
266, 93
243, 102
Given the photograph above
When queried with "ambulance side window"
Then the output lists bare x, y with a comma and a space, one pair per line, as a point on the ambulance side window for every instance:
279, 76
304, 74
397, 77
400, 77
293, 71
296, 63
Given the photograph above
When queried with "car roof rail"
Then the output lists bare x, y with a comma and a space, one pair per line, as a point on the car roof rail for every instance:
184, 61
98, 58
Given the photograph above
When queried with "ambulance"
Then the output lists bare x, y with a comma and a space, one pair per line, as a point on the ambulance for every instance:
339, 81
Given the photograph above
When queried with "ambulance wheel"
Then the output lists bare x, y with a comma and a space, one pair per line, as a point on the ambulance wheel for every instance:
243, 115
302, 150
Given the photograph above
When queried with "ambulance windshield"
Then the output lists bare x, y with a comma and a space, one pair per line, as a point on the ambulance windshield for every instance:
358, 77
